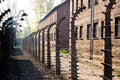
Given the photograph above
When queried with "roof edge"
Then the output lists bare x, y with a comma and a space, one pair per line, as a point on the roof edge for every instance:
54, 9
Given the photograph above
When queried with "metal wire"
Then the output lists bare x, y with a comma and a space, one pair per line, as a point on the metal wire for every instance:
83, 64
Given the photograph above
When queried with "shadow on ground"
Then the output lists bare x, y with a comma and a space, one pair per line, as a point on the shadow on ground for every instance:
19, 69
16, 52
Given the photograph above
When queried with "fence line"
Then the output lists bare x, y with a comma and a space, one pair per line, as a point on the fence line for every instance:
72, 62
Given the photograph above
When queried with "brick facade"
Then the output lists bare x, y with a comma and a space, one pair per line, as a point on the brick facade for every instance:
83, 20
82, 23
60, 15
63, 26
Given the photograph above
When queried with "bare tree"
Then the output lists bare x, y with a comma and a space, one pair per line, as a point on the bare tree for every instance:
49, 4
42, 7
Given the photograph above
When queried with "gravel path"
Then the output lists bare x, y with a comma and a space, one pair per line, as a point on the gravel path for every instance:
22, 66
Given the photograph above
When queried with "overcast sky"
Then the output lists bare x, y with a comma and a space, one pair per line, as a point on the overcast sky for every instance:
27, 6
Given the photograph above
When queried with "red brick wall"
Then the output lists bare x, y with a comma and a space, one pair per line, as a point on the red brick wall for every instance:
83, 19
63, 26
63, 10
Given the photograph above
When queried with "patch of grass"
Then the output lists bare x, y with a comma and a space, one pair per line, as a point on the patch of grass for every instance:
64, 51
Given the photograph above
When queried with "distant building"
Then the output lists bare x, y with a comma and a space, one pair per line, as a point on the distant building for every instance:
56, 15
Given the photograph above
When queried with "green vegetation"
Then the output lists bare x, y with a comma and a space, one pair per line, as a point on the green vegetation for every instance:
64, 51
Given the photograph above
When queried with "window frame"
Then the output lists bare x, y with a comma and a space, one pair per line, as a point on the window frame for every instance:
117, 34
76, 32
88, 31
96, 2
102, 29
103, 0
81, 32
95, 30
89, 5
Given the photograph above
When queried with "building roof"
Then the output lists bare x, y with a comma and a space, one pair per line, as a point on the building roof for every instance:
53, 10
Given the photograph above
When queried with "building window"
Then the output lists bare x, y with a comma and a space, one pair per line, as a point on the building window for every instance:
88, 31
81, 3
88, 3
81, 32
103, 0
96, 2
102, 30
117, 27
95, 31
82, 6
76, 32
76, 4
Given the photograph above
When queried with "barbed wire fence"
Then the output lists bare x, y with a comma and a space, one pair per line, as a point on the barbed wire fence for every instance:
45, 46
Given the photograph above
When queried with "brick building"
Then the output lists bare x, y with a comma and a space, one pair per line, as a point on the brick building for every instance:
60, 16
82, 25
79, 39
